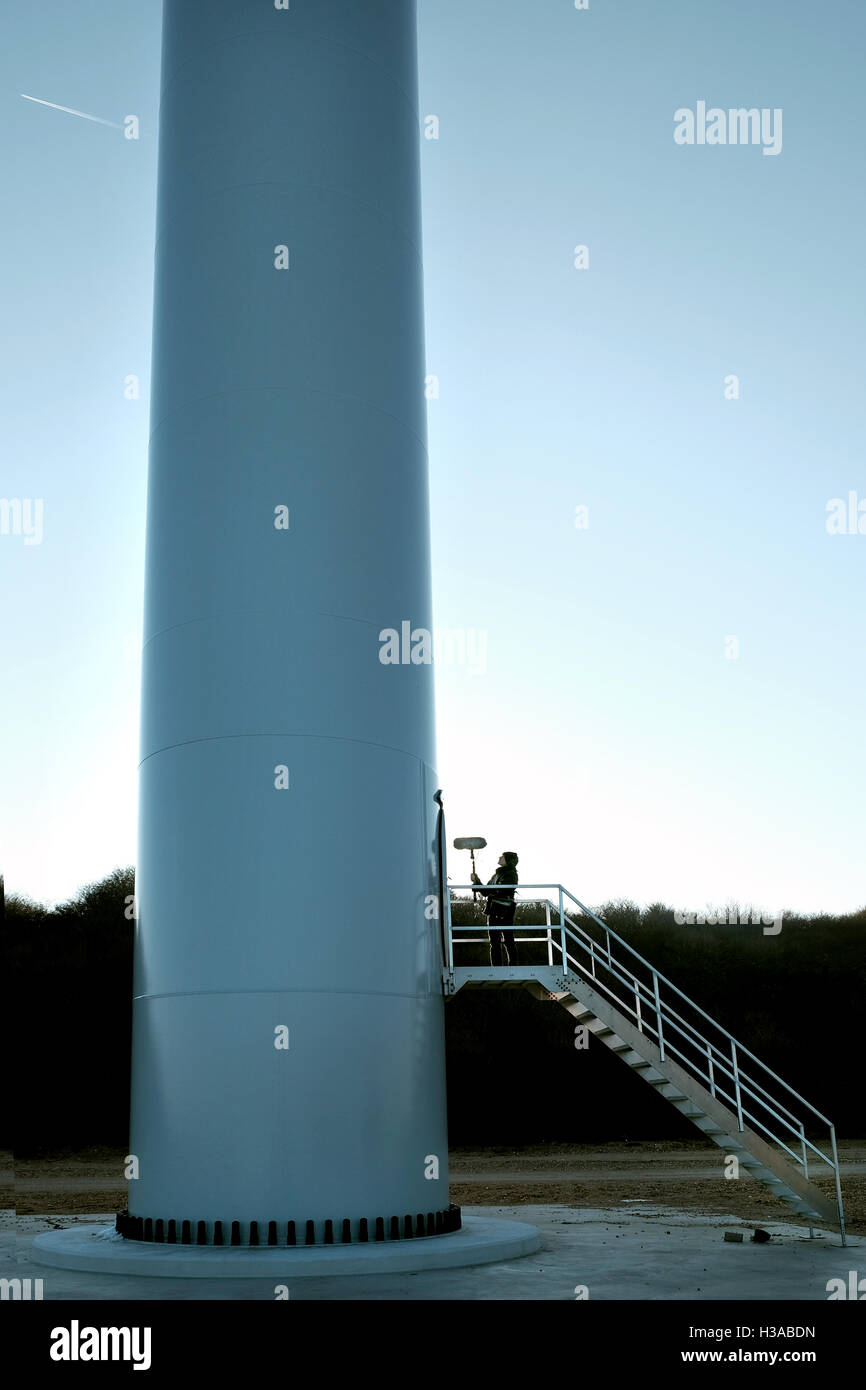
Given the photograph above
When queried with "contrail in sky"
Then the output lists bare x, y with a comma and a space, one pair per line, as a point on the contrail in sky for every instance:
72, 112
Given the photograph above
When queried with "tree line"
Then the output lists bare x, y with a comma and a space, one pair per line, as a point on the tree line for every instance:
514, 1075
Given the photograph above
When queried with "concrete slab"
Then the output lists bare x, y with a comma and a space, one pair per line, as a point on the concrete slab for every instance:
481, 1240
648, 1252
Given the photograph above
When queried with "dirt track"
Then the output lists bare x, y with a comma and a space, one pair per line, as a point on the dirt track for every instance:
686, 1176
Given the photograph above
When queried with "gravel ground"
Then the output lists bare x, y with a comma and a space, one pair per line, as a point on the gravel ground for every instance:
687, 1176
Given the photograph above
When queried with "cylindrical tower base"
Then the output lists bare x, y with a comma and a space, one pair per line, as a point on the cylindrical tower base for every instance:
480, 1240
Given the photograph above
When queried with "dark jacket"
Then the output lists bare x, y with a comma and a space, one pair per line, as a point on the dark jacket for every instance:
499, 893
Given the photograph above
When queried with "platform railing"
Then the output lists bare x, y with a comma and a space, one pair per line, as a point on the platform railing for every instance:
611, 963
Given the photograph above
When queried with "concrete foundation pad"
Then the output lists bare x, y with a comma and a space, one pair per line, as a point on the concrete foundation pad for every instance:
641, 1251
481, 1240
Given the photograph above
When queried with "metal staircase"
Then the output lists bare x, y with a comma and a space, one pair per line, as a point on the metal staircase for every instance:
695, 1063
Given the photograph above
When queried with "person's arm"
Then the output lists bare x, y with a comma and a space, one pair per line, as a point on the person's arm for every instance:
497, 880
485, 891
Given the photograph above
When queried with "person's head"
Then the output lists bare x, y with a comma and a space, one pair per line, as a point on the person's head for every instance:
508, 860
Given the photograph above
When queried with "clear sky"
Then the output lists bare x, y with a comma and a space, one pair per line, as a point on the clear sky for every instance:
601, 728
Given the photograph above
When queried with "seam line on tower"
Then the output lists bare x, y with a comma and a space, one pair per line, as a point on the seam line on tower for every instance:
330, 738
194, 993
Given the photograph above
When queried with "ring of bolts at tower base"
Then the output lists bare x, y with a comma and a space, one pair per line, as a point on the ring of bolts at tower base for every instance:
435, 1223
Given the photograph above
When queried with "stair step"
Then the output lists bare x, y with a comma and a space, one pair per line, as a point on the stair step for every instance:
634, 1059
729, 1136
670, 1092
